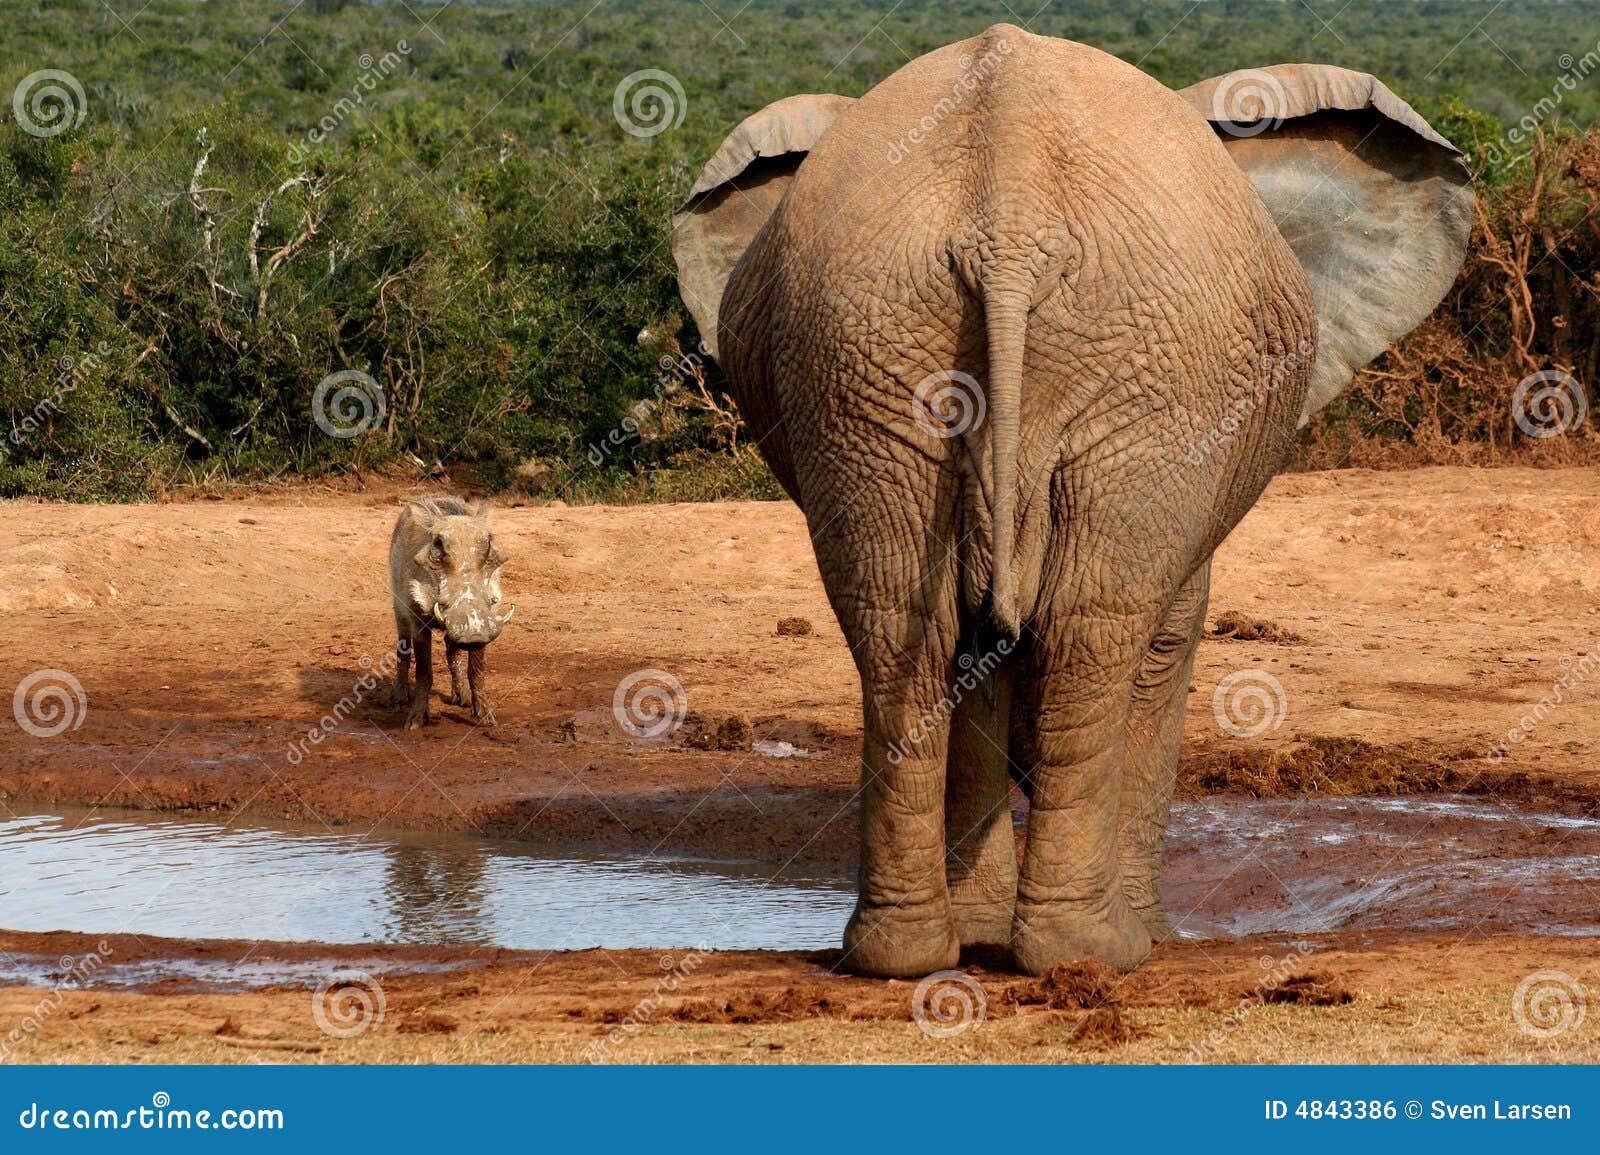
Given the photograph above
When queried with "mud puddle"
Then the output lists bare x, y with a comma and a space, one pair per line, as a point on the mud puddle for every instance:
181, 975
1235, 867
1239, 867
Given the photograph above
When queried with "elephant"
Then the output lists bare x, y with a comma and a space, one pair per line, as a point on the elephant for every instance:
1025, 333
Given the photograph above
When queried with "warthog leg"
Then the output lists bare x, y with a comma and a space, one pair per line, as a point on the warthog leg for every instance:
456, 655
422, 691
477, 667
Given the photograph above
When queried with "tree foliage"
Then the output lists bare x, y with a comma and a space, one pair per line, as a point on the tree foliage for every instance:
253, 196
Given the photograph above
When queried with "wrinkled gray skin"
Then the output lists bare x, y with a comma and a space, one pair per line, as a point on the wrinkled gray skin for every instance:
1139, 304
444, 574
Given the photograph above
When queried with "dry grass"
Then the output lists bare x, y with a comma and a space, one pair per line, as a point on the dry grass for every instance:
1311, 989
1468, 1026
1327, 765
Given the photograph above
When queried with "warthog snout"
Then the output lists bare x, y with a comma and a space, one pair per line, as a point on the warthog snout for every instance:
472, 618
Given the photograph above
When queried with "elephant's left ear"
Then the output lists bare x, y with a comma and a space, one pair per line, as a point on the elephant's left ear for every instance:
1375, 203
736, 193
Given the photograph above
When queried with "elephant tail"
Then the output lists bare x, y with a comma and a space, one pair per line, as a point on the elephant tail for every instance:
1006, 302
1010, 268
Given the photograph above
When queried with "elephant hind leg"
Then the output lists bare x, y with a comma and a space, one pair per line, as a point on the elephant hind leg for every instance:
1071, 904
1155, 739
903, 925
893, 584
980, 845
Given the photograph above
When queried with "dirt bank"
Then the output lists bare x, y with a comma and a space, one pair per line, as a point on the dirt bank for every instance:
1436, 607
1327, 998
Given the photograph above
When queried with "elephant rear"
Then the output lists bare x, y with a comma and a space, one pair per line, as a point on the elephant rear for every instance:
1046, 229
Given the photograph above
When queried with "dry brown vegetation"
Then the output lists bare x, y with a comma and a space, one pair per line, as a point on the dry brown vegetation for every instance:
1525, 303
1349, 766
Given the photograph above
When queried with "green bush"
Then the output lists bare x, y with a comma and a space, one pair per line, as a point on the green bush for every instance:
454, 211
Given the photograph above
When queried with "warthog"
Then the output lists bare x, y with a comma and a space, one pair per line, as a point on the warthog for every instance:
444, 574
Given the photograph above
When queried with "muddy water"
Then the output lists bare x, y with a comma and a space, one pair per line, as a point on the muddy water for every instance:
1235, 867
1301, 865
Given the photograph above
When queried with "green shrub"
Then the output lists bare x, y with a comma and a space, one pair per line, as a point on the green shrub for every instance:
454, 211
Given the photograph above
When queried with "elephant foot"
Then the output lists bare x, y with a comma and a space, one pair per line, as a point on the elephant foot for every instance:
1048, 935
1143, 893
1156, 923
899, 943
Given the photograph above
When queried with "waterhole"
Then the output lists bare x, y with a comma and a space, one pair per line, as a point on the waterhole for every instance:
1235, 866
126, 871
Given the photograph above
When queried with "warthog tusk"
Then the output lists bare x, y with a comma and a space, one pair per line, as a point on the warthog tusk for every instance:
506, 617
438, 612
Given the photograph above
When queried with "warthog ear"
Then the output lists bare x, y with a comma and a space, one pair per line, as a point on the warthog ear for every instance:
736, 193
1375, 203
495, 560
478, 511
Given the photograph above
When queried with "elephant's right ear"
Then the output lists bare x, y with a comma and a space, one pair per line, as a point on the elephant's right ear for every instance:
1375, 203
736, 193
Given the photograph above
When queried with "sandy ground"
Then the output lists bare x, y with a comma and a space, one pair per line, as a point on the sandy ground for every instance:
1372, 998
209, 639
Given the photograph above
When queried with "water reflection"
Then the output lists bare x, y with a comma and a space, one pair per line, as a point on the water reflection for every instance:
110, 872
436, 896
